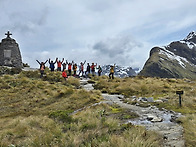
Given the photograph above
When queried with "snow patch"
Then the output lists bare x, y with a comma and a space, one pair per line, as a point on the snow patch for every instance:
191, 44
172, 56
162, 59
191, 35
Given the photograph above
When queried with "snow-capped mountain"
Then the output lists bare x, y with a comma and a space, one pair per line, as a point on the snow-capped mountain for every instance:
119, 71
176, 60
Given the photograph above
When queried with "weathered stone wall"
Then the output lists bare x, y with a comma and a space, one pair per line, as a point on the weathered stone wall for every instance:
10, 53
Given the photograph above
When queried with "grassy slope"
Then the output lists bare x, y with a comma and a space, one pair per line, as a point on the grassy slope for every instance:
36, 112
159, 88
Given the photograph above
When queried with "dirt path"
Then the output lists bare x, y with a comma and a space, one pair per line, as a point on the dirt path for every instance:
151, 117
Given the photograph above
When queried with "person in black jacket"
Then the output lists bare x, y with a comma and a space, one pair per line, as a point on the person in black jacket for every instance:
88, 69
42, 67
99, 70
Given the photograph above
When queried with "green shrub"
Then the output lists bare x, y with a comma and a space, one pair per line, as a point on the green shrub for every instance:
65, 93
74, 82
62, 116
30, 74
53, 77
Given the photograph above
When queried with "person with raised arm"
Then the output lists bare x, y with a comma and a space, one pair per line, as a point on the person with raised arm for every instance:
69, 67
99, 70
59, 63
75, 69
111, 75
64, 65
88, 70
81, 68
93, 69
42, 67
52, 65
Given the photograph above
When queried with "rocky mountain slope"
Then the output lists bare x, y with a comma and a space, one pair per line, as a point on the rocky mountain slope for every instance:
177, 60
119, 71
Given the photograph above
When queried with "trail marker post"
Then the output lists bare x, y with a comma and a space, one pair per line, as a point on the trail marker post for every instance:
180, 92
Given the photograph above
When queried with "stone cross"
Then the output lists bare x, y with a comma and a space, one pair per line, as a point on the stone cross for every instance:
8, 34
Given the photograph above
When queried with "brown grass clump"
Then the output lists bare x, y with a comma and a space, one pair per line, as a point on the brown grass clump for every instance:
30, 131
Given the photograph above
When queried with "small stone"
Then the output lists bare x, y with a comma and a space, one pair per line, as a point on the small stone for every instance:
157, 119
158, 101
150, 99
142, 99
153, 118
164, 100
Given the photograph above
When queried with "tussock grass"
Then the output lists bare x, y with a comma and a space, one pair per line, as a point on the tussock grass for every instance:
37, 112
151, 87
97, 127
159, 88
30, 131
189, 124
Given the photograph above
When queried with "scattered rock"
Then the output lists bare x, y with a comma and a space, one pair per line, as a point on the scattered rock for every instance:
150, 99
153, 118
142, 99
133, 97
162, 122
164, 100
157, 119
158, 101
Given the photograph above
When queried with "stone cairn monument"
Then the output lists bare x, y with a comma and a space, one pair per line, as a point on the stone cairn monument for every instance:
10, 53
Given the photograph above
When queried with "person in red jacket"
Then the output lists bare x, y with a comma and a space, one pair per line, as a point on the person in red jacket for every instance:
81, 68
59, 63
69, 67
93, 69
64, 74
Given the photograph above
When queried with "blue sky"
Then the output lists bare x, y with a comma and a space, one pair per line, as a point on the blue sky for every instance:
106, 32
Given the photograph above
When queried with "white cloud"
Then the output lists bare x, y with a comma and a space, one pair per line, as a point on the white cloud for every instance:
94, 30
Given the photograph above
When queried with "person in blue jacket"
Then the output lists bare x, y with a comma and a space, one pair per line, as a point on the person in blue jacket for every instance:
52, 65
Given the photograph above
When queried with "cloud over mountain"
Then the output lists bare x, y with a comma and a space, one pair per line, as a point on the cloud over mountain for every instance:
119, 49
99, 31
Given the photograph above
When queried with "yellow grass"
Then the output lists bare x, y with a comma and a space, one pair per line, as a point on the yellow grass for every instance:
36, 112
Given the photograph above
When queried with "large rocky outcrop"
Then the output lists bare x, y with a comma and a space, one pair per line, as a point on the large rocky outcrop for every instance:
177, 60
10, 53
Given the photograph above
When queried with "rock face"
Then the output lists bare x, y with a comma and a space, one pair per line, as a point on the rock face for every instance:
177, 60
10, 53
119, 71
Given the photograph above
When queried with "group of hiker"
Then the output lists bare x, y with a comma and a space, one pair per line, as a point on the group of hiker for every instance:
71, 66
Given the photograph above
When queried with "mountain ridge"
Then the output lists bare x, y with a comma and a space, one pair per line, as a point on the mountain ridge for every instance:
176, 60
119, 71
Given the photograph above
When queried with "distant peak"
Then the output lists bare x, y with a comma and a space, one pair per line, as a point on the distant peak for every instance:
190, 36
